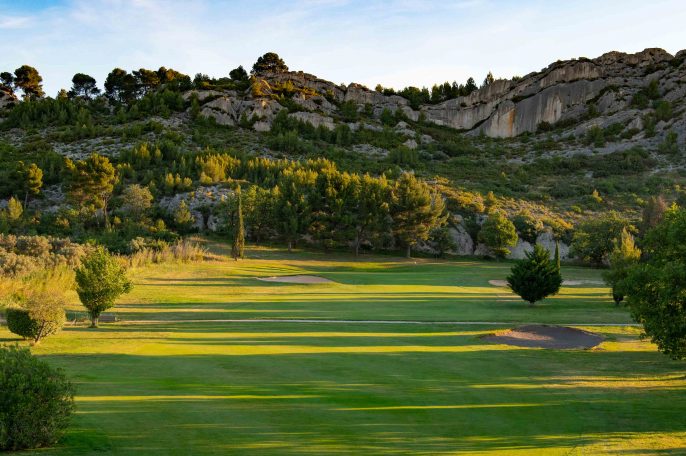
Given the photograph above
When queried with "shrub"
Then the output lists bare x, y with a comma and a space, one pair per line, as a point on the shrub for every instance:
41, 314
19, 322
36, 401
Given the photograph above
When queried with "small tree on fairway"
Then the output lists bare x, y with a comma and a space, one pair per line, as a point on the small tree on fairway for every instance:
622, 258
99, 282
535, 277
239, 230
557, 255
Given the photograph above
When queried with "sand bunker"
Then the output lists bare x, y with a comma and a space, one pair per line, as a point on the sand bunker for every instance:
295, 279
503, 283
544, 336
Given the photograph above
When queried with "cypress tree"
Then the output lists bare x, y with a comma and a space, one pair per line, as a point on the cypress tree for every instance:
239, 231
535, 277
557, 255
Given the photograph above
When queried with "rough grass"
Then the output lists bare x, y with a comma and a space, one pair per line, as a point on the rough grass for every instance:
167, 388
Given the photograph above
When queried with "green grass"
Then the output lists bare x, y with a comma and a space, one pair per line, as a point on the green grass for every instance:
176, 388
377, 288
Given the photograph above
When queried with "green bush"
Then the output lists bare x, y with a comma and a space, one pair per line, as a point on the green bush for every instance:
40, 315
36, 401
19, 322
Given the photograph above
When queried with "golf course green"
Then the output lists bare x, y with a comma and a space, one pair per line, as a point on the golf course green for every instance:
396, 364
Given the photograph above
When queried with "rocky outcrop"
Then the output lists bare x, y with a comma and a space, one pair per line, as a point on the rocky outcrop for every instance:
564, 91
7, 98
561, 91
545, 240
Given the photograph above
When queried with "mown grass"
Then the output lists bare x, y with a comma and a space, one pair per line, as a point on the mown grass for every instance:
170, 387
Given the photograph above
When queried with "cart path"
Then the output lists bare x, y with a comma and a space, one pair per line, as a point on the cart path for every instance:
373, 322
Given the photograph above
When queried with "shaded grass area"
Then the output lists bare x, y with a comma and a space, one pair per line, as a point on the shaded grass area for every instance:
207, 388
376, 288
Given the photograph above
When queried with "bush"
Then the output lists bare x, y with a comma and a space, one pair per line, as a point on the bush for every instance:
36, 401
40, 315
19, 322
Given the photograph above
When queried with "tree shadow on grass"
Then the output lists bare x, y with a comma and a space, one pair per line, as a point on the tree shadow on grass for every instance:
419, 402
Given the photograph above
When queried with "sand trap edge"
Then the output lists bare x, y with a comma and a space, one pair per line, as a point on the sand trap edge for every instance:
547, 336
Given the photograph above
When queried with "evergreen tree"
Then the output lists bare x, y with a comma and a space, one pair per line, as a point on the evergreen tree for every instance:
269, 63
238, 74
29, 81
470, 86
29, 179
557, 255
488, 80
91, 182
239, 230
535, 277
83, 86
183, 217
372, 213
623, 257
415, 211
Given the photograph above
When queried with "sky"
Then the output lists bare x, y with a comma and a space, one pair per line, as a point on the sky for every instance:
396, 43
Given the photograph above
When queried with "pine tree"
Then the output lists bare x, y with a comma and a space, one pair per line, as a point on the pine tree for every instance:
535, 277
239, 230
415, 211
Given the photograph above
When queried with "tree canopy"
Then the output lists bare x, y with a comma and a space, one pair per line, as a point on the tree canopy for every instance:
655, 289
269, 63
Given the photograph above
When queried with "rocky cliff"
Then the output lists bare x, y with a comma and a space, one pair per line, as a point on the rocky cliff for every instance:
562, 93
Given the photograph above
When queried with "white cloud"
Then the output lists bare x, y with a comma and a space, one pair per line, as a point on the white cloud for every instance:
396, 43
14, 22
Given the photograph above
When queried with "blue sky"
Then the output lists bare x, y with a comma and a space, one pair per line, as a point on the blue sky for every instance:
395, 42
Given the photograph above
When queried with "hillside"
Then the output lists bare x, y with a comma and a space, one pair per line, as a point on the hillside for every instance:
578, 138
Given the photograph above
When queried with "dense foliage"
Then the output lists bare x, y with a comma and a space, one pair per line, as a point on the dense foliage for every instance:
40, 314
655, 288
100, 280
535, 277
36, 401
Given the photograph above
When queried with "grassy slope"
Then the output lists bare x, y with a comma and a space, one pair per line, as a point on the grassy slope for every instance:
211, 388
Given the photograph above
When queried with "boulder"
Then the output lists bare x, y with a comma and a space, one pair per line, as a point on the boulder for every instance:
462, 239
314, 119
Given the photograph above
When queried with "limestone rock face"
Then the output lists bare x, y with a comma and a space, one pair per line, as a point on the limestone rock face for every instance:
564, 91
547, 241
7, 99
316, 120
462, 239
520, 250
